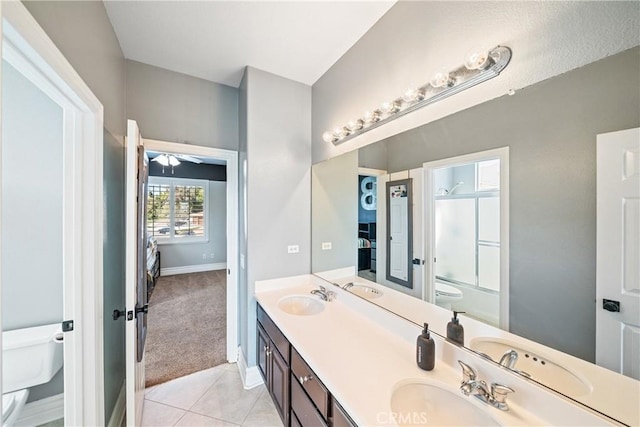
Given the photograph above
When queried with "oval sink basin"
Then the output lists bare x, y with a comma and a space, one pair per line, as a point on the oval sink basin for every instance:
418, 403
364, 291
300, 305
541, 369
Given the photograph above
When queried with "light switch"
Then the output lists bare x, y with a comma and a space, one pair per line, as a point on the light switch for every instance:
326, 246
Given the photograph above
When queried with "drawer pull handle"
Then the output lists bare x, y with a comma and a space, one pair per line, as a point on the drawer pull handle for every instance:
305, 379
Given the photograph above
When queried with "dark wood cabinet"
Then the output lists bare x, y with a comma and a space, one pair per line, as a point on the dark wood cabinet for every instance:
274, 368
300, 397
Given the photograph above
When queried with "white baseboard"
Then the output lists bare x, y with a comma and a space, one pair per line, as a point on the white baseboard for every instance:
250, 376
117, 416
42, 411
169, 271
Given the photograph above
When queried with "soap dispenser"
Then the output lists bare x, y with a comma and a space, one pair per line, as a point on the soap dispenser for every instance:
426, 350
455, 331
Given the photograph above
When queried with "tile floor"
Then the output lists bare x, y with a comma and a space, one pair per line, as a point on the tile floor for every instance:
213, 397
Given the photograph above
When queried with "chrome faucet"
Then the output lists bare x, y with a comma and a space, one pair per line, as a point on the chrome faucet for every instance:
324, 294
347, 286
509, 359
496, 395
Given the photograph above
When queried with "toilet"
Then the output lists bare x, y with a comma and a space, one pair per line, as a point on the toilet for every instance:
30, 357
446, 294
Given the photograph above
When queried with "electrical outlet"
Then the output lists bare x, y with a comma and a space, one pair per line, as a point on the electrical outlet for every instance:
204, 256
212, 255
326, 246
293, 249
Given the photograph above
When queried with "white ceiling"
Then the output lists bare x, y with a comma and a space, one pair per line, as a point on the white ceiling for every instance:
215, 40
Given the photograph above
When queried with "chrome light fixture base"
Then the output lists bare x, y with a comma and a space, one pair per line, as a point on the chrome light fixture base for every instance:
460, 79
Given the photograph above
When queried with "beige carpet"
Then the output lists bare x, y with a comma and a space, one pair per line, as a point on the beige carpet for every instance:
186, 325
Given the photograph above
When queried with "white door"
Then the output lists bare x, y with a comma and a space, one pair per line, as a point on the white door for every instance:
618, 252
398, 220
135, 288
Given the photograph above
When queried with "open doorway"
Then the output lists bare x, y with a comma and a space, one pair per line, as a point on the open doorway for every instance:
466, 212
51, 230
187, 265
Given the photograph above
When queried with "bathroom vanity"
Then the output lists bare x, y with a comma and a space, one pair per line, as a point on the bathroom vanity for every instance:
348, 362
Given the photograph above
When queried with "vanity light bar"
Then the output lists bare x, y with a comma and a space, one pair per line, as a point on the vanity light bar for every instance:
479, 66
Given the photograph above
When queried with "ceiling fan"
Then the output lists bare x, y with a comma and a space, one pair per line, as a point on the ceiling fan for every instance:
174, 160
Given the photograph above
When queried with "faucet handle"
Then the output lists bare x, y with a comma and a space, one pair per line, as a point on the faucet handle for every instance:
500, 392
468, 374
323, 289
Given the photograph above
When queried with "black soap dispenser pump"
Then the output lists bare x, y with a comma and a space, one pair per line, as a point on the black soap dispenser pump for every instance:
455, 331
425, 350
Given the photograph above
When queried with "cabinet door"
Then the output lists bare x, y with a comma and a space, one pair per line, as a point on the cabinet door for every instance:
263, 346
279, 387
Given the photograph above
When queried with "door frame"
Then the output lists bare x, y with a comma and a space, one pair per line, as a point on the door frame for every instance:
429, 223
231, 157
46, 67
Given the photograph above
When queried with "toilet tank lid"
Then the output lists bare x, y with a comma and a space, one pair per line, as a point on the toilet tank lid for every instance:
29, 336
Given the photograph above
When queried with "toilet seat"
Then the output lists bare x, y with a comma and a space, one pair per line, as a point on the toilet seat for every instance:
12, 403
447, 291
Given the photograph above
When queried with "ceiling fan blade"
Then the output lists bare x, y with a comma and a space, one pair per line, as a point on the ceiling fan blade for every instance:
188, 158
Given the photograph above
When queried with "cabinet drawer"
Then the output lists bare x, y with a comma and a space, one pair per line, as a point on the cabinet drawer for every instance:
303, 409
340, 417
310, 383
274, 333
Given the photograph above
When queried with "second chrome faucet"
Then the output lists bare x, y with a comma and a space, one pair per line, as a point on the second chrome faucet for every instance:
496, 395
324, 294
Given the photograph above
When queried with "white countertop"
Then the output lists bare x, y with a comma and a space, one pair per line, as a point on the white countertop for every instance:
610, 392
361, 358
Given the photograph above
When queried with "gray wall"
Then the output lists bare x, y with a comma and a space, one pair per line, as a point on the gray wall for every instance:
415, 38
83, 33
32, 219
278, 187
551, 130
334, 217
187, 254
170, 106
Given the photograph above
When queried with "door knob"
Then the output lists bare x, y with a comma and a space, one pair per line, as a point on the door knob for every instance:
144, 309
611, 305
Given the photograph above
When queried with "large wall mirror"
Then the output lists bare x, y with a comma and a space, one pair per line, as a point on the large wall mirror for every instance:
514, 233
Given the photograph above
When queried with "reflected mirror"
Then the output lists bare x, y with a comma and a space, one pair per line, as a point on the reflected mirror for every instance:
531, 272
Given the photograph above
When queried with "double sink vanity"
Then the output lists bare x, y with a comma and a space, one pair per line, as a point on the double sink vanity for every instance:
330, 358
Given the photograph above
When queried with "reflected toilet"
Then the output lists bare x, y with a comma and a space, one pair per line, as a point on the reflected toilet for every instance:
30, 357
446, 294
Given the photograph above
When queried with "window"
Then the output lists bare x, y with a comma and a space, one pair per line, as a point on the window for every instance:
177, 209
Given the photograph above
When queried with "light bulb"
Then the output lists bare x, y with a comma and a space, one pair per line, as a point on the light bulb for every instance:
369, 117
441, 79
411, 95
388, 107
339, 133
162, 159
327, 136
476, 59
173, 161
354, 125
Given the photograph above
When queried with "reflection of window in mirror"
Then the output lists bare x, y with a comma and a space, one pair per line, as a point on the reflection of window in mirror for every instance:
467, 238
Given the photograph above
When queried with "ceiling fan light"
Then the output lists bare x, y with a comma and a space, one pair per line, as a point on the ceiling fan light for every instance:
163, 159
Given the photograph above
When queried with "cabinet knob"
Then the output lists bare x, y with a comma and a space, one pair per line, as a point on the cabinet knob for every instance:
305, 379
